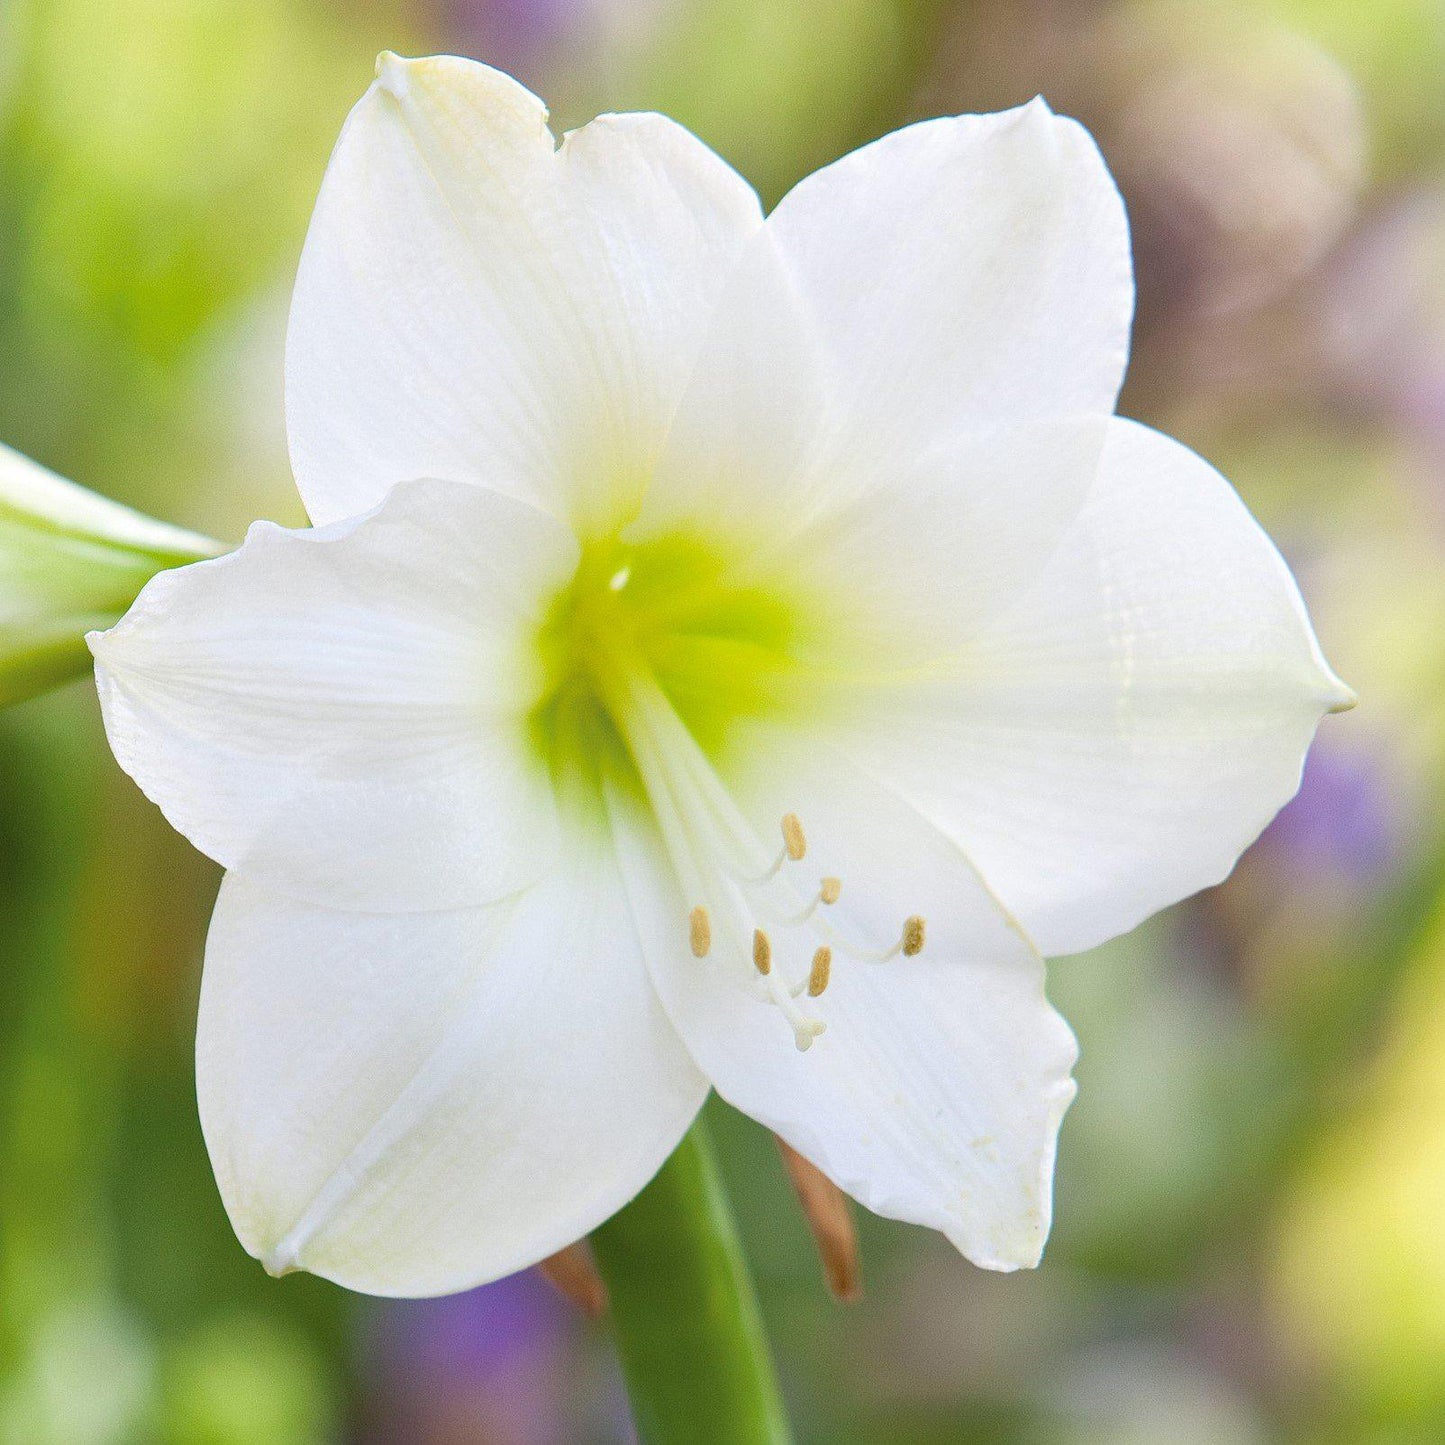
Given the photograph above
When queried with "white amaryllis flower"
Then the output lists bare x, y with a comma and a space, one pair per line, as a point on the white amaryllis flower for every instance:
715, 631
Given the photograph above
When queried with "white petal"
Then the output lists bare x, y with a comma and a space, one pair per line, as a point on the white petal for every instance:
935, 1094
965, 270
1119, 736
903, 559
414, 1104
478, 304
913, 566
741, 456
345, 710
909, 552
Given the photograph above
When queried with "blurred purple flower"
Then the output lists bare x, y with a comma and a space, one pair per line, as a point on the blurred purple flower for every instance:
1345, 820
490, 1365
516, 35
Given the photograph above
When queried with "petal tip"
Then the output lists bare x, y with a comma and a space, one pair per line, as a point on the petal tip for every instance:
1340, 697
280, 1260
1006, 1255
1035, 116
393, 74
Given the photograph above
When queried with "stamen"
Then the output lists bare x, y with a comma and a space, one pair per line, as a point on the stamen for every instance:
762, 952
913, 930
910, 943
818, 975
829, 891
708, 837
699, 931
795, 846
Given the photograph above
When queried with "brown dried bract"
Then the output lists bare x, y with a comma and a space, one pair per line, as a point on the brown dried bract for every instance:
572, 1272
830, 1217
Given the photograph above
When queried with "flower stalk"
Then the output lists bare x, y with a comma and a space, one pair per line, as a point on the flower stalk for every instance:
694, 1355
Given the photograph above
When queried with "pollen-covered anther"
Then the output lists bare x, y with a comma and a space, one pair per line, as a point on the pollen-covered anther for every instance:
762, 952
913, 935
795, 847
818, 975
699, 932
909, 942
829, 891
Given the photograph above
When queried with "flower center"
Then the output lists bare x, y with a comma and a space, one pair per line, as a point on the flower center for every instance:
652, 654
719, 645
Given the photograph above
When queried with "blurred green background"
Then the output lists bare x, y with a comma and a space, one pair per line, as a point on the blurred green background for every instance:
1251, 1192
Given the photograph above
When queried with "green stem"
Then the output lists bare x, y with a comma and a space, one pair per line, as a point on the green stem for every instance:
686, 1319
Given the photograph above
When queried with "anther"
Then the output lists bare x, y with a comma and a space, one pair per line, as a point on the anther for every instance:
913, 930
699, 932
818, 976
762, 952
795, 846
909, 942
829, 891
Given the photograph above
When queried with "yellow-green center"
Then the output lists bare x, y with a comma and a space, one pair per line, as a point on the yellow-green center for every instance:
673, 609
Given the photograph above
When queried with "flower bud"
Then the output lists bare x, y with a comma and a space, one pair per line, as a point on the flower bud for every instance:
70, 561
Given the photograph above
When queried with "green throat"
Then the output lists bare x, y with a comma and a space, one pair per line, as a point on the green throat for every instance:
675, 611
